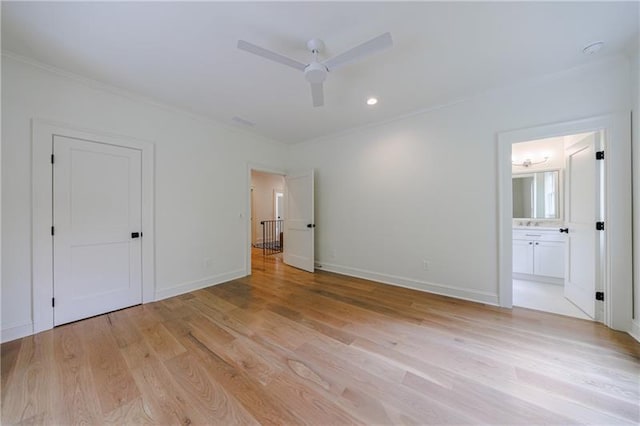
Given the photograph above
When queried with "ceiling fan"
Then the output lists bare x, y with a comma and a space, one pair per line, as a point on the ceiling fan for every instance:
316, 72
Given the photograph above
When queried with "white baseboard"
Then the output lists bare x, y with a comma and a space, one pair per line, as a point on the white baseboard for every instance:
16, 332
442, 289
538, 278
197, 285
635, 329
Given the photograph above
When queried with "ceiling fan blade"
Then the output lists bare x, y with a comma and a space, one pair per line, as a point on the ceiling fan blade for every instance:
276, 57
317, 94
374, 45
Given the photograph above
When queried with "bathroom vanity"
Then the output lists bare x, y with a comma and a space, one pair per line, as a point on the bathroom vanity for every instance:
538, 254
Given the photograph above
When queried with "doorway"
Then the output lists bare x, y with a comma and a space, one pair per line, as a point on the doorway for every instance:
267, 236
555, 191
613, 299
44, 262
281, 217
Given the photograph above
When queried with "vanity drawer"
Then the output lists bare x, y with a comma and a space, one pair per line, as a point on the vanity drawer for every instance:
538, 235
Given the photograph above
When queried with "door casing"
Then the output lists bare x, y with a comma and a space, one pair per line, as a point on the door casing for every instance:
43, 132
617, 250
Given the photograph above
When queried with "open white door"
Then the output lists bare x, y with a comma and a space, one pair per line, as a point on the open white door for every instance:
97, 218
298, 221
582, 212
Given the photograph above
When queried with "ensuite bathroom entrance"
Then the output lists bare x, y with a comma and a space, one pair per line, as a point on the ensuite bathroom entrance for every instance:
557, 201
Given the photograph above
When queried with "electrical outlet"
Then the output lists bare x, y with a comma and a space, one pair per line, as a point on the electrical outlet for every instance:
208, 262
333, 254
426, 265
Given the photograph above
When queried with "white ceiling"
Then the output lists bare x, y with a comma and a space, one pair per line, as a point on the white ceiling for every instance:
185, 54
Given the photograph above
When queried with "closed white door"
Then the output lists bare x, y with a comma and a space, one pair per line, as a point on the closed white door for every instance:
582, 212
97, 211
298, 222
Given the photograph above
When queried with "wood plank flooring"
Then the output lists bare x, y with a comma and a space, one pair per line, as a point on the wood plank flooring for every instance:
287, 347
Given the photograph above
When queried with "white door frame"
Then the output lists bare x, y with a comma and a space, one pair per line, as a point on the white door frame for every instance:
617, 283
247, 247
42, 135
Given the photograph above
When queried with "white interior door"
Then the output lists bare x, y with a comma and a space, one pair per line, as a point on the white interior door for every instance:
298, 221
582, 211
96, 209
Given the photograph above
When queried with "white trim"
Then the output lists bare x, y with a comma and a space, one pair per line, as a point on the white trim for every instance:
428, 287
258, 168
42, 135
635, 330
617, 259
16, 332
198, 284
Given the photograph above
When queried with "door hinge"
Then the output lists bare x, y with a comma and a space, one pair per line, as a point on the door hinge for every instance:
599, 226
53, 230
53, 158
53, 302
599, 295
599, 155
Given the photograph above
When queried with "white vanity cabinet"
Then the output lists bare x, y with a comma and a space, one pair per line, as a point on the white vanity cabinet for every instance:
539, 253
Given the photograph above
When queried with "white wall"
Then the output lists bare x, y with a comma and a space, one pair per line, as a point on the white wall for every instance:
264, 185
425, 186
201, 180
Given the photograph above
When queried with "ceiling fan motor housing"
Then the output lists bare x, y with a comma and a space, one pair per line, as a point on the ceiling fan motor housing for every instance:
315, 73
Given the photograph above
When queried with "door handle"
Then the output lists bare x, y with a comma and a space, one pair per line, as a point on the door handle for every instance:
311, 225
136, 234
565, 230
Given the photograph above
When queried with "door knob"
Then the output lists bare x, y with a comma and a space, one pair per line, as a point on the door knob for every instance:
311, 225
136, 234
565, 230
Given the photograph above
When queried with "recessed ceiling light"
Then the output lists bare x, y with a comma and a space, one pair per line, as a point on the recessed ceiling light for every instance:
593, 48
372, 101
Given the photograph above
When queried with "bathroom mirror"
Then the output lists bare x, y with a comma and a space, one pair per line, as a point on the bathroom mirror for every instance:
536, 195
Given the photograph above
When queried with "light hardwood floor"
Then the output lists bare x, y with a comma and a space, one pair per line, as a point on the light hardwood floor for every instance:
287, 347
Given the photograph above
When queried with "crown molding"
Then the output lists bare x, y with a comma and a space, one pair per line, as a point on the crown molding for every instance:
133, 96
477, 95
